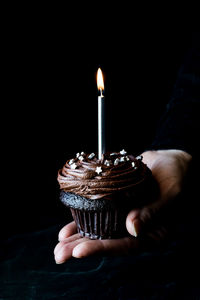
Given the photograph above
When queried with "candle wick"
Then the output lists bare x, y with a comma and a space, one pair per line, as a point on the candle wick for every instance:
101, 92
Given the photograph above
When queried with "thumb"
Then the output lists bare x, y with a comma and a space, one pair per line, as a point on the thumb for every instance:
141, 220
133, 222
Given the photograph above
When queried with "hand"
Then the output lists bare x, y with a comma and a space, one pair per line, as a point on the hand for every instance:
169, 168
71, 244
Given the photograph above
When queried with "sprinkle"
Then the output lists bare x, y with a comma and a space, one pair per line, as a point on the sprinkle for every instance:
77, 155
81, 158
133, 164
139, 157
123, 152
127, 158
82, 153
114, 153
91, 156
73, 166
122, 159
107, 162
98, 170
116, 162
71, 161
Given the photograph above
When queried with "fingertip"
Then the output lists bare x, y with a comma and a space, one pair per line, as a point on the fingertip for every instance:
77, 251
59, 262
59, 258
56, 248
67, 231
62, 235
133, 222
134, 227
88, 247
133, 214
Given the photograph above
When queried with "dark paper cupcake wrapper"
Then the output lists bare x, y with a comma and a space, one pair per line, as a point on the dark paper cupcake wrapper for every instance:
105, 218
99, 224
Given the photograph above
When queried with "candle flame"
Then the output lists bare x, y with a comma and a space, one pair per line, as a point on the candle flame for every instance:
100, 83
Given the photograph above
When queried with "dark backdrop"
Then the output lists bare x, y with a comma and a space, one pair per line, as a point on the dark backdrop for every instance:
50, 107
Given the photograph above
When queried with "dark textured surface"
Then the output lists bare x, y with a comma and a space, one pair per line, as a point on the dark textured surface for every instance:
28, 270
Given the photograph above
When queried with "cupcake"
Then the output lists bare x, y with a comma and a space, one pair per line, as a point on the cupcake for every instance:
100, 193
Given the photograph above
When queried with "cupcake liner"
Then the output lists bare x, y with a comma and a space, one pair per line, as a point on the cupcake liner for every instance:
99, 224
106, 218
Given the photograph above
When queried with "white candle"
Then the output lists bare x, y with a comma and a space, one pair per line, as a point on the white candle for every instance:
101, 115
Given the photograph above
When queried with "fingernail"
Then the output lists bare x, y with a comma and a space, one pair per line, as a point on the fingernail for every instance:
58, 258
77, 252
136, 228
59, 262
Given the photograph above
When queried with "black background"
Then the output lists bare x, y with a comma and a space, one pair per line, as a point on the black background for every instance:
50, 103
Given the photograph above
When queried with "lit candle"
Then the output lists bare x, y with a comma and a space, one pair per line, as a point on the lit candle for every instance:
101, 115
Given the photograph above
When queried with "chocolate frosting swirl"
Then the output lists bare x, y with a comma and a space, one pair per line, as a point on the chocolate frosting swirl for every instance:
85, 181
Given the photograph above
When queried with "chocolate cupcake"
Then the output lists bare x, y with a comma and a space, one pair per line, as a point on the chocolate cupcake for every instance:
100, 193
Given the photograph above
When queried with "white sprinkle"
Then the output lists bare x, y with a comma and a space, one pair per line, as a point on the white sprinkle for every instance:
73, 166
114, 153
82, 153
139, 157
77, 154
98, 170
133, 164
81, 158
127, 158
71, 161
107, 162
116, 162
122, 159
91, 156
123, 152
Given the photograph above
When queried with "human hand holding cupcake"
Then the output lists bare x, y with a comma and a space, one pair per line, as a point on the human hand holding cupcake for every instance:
109, 234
